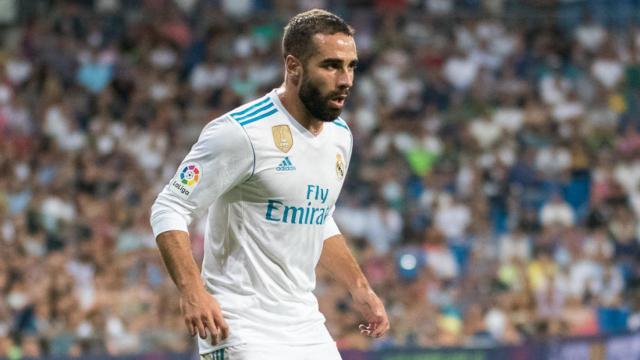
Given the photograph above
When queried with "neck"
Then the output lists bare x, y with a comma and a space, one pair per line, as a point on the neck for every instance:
296, 108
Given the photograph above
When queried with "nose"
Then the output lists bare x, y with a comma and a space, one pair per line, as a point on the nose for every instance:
345, 78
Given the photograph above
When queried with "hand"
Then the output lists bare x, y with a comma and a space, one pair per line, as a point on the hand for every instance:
370, 306
202, 314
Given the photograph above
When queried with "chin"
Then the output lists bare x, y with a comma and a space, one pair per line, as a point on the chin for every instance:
332, 117
333, 113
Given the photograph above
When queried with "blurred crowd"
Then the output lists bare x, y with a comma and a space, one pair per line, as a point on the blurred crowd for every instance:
493, 196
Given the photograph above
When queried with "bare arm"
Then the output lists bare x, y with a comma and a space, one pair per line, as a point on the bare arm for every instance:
176, 253
337, 259
200, 309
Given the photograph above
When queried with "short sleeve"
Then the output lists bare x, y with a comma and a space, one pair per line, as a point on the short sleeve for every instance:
221, 159
330, 227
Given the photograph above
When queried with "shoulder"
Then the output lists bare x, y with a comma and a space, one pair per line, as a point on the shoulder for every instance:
342, 129
339, 122
253, 111
223, 133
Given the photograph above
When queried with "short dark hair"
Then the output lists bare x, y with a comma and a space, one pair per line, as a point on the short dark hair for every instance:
298, 34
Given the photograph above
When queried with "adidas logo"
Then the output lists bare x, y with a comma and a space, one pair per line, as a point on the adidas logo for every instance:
285, 165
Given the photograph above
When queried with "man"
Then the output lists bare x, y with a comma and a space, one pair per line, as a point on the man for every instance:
269, 174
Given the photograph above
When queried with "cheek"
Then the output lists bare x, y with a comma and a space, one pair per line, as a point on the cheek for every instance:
326, 86
318, 84
322, 80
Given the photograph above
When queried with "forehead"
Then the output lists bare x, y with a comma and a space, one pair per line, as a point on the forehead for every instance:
334, 46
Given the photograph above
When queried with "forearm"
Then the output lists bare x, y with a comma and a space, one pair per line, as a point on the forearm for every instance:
338, 260
176, 254
202, 313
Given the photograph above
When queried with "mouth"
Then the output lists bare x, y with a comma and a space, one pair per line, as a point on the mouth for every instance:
338, 101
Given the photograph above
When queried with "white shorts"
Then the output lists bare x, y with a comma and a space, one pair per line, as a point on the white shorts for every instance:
327, 351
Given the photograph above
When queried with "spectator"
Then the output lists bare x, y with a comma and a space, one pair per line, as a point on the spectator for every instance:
557, 212
440, 259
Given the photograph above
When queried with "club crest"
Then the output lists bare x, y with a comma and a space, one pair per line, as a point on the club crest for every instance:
339, 166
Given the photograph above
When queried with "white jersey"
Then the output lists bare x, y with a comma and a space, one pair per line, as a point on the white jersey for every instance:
270, 187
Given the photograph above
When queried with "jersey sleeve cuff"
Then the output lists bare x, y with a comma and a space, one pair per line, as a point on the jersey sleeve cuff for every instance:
167, 222
331, 228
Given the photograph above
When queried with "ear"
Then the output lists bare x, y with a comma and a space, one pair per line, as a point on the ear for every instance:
293, 68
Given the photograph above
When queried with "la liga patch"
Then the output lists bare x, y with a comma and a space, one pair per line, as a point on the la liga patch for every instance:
186, 179
190, 175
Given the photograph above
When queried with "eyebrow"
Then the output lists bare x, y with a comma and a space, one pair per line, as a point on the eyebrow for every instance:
338, 61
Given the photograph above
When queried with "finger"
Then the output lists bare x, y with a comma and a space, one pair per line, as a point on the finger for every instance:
210, 325
190, 327
381, 328
222, 325
201, 330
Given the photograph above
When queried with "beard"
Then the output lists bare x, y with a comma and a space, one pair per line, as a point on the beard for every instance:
316, 103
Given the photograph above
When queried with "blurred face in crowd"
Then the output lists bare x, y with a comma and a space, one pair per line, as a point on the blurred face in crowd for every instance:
31, 346
327, 76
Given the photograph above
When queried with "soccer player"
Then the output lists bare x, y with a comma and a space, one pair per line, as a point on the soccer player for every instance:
268, 175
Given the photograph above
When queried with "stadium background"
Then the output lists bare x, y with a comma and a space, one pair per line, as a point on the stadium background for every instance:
493, 199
